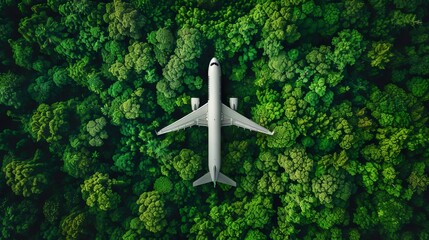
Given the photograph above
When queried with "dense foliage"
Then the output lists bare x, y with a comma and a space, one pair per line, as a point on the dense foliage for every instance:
84, 85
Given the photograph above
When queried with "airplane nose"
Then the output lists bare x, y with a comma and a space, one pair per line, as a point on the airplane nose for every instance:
214, 62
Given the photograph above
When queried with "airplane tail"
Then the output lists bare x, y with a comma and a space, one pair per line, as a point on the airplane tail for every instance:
222, 178
203, 180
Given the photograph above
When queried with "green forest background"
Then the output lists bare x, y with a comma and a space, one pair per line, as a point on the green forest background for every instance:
85, 84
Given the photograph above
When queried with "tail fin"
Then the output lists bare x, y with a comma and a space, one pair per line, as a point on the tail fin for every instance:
225, 180
203, 180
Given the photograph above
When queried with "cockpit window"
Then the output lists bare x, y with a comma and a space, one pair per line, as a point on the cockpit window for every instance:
214, 64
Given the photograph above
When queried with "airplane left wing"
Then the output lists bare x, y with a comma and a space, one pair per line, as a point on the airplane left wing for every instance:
231, 117
197, 117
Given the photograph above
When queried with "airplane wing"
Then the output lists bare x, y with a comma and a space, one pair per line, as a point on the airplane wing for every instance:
231, 117
197, 117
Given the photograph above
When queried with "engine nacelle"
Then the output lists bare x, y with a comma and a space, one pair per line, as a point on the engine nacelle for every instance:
233, 103
195, 103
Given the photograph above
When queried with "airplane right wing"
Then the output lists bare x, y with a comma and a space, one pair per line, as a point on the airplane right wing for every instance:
197, 117
231, 117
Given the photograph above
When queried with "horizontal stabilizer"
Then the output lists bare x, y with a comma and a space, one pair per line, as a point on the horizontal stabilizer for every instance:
203, 180
225, 180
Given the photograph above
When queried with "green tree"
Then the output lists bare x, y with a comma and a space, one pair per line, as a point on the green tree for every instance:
332, 186
284, 136
380, 54
298, 206
17, 218
173, 72
297, 164
6, 30
119, 70
258, 211
331, 14
60, 76
124, 20
75, 225
163, 185
10, 93
97, 192
130, 109
41, 28
418, 180
277, 22
294, 104
48, 122
96, 130
42, 89
312, 98
187, 163
152, 212
270, 183
365, 216
392, 213
419, 87
329, 217
95, 82
26, 178
188, 48
22, 53
140, 57
282, 67
240, 33
79, 163
113, 51
163, 44
404, 19
188, 44
348, 47
337, 160
392, 106
266, 162
354, 13
51, 209
255, 235
269, 109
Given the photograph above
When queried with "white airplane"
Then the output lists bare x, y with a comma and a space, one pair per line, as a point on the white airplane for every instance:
214, 115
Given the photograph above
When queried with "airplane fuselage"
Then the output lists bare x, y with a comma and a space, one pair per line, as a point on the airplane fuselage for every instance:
214, 119
214, 115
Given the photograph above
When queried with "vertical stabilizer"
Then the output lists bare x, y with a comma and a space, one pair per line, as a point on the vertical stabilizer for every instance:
225, 180
203, 180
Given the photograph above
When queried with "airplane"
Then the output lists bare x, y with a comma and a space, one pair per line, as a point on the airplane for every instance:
214, 115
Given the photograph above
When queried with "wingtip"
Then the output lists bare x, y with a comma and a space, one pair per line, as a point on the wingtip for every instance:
272, 133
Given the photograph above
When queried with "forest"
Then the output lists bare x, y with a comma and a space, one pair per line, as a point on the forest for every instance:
85, 84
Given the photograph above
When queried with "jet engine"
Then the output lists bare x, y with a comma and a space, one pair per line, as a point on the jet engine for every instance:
195, 103
233, 103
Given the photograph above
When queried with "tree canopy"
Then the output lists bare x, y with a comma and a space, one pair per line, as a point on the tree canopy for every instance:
85, 85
